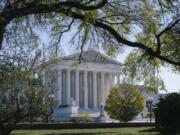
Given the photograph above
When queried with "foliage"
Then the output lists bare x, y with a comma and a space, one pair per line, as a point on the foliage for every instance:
84, 117
124, 102
39, 104
22, 96
152, 28
138, 69
10, 88
167, 114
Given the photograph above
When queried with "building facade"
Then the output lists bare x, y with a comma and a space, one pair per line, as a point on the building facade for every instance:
80, 87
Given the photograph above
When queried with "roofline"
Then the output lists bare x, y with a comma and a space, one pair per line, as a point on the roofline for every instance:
73, 55
105, 56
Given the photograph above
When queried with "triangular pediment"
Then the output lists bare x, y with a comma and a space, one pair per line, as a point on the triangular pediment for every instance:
92, 56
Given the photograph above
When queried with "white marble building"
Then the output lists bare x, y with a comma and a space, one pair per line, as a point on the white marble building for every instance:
80, 87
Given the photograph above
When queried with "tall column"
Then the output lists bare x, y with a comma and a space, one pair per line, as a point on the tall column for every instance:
118, 78
59, 88
94, 89
85, 90
102, 88
77, 87
108, 85
111, 80
68, 87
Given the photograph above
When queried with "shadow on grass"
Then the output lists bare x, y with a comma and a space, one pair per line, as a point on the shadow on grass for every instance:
77, 133
19, 134
141, 132
148, 130
100, 133
151, 131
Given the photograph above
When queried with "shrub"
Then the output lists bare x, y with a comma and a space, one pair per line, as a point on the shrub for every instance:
84, 117
124, 103
167, 114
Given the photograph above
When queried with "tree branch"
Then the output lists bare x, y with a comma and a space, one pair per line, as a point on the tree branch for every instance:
169, 27
9, 13
115, 23
158, 37
120, 39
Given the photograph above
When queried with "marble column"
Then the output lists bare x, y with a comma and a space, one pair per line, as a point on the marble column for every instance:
59, 88
77, 87
68, 87
111, 80
102, 88
108, 86
94, 89
85, 90
118, 78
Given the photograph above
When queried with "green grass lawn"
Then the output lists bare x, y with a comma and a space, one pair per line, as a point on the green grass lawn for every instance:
102, 131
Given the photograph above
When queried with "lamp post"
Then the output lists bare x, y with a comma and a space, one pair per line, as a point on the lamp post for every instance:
150, 101
102, 115
102, 110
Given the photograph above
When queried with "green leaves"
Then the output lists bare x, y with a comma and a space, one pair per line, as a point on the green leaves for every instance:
124, 103
143, 24
39, 104
91, 16
141, 68
22, 96
112, 50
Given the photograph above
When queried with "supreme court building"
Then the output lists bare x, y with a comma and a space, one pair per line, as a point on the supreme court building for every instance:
80, 87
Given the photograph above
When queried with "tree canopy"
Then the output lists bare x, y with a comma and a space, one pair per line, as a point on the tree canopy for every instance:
124, 102
150, 27
22, 95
